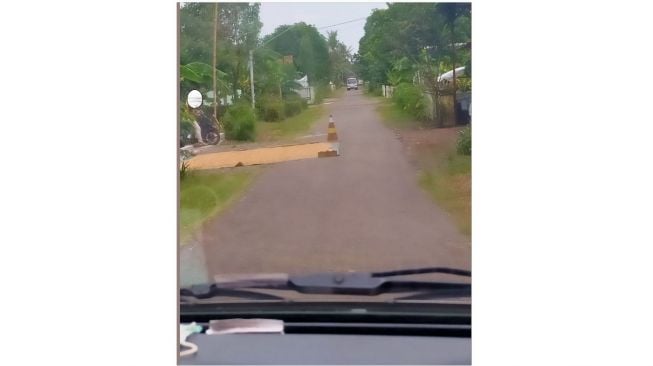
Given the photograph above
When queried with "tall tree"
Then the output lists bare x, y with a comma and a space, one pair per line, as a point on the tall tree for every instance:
308, 47
423, 38
240, 27
339, 58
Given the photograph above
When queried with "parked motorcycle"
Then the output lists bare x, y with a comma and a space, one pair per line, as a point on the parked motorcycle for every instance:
210, 129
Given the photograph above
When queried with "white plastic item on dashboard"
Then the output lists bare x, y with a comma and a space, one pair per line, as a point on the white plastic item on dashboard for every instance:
245, 326
186, 330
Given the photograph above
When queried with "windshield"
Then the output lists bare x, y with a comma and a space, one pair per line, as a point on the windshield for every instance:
322, 148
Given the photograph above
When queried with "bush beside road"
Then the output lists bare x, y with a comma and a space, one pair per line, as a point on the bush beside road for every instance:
291, 127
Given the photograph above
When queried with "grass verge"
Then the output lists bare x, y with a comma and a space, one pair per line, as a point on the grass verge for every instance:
291, 127
450, 184
205, 194
445, 174
394, 117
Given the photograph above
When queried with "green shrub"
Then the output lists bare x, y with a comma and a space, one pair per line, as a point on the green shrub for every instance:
240, 122
410, 98
183, 170
293, 105
185, 125
464, 143
271, 109
322, 90
373, 89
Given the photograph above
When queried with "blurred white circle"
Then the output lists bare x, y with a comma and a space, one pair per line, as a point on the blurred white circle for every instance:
194, 99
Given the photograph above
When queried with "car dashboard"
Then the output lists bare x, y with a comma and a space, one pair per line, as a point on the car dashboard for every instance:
337, 334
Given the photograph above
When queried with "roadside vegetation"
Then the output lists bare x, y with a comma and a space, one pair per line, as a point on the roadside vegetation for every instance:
443, 157
409, 46
205, 194
395, 117
216, 40
450, 184
290, 128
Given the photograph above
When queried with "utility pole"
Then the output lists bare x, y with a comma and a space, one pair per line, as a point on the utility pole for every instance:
251, 76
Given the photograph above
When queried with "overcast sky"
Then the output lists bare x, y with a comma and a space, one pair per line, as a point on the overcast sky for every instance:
320, 14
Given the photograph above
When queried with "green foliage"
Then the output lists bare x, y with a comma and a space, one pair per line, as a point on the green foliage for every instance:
450, 185
464, 142
239, 28
198, 75
272, 77
322, 91
271, 108
340, 57
396, 118
203, 195
291, 127
293, 105
186, 122
410, 38
240, 122
183, 170
308, 47
402, 72
409, 98
196, 20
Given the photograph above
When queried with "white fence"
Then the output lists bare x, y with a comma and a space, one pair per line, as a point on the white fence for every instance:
387, 91
307, 93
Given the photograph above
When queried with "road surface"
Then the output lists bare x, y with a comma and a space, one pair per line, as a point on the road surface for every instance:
363, 210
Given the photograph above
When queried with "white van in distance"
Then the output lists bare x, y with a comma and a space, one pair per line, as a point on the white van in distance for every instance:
352, 83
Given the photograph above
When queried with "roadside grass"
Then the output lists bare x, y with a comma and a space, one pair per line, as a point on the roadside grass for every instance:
338, 93
450, 184
291, 127
205, 194
394, 117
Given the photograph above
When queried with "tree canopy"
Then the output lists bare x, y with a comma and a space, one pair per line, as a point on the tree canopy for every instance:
308, 47
238, 33
406, 35
413, 43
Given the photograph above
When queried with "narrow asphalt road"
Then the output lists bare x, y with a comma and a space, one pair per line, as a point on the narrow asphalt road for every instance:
363, 210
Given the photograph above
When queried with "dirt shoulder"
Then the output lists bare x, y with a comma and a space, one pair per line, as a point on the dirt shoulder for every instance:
444, 174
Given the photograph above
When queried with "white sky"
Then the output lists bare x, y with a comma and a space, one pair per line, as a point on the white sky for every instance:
320, 14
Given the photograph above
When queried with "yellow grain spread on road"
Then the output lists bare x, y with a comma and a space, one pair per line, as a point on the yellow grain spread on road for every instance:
266, 155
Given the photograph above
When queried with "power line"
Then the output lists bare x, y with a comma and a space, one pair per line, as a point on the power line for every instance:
324, 27
349, 21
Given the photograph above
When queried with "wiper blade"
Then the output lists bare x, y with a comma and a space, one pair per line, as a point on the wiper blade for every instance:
362, 283
414, 271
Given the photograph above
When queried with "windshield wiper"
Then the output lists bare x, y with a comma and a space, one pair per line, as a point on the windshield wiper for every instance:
348, 283
212, 290
414, 271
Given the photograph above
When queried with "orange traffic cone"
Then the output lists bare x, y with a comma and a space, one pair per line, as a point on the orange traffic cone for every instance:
332, 135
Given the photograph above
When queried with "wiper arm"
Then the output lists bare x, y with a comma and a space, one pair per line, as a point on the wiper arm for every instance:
440, 294
212, 290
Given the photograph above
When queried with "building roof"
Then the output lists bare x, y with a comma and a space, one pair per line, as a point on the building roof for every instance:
449, 74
